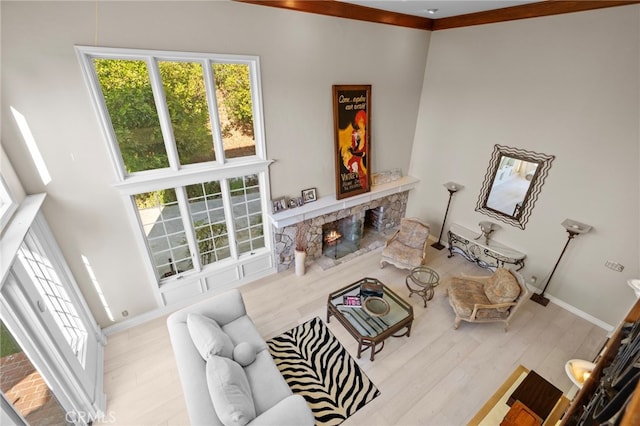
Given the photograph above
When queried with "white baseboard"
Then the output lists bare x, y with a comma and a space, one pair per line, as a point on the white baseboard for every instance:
593, 320
564, 305
141, 319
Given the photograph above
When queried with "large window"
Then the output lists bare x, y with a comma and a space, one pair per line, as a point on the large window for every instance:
186, 137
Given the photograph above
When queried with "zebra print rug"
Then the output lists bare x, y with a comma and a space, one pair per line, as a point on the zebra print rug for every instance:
316, 366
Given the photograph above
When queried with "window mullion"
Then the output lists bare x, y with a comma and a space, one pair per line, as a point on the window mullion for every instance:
228, 214
256, 102
189, 231
216, 129
263, 181
163, 113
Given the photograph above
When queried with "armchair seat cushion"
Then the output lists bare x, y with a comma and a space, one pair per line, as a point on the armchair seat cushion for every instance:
464, 294
408, 255
486, 299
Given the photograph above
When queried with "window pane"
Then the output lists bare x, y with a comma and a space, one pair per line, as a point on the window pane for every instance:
36, 262
235, 109
205, 200
186, 98
247, 213
127, 93
159, 214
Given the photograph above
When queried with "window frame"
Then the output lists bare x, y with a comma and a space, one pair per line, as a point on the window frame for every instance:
8, 204
87, 53
178, 176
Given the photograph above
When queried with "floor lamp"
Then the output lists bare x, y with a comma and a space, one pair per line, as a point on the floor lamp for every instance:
452, 187
573, 228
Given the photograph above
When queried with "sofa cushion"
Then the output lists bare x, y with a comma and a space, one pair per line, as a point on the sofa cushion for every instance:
244, 330
267, 384
502, 287
208, 337
244, 353
230, 391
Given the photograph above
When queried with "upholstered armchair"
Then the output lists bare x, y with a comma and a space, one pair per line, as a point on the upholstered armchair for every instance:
407, 248
494, 298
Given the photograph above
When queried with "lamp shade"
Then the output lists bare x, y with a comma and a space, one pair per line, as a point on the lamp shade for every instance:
575, 227
453, 187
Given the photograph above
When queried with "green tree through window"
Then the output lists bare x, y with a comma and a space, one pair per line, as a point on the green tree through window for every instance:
130, 102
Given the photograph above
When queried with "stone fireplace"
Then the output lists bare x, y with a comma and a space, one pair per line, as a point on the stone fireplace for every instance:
337, 233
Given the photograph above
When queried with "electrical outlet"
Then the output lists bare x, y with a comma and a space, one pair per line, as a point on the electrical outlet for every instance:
614, 265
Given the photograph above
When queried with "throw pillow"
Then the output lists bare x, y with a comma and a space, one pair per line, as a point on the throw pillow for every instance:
208, 337
502, 287
244, 354
230, 391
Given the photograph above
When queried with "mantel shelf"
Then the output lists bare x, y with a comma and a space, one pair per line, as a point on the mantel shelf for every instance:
329, 204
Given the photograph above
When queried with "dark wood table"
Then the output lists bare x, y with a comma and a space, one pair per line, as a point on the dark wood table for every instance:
537, 394
371, 330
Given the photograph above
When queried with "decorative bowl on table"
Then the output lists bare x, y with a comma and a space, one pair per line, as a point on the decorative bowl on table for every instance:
376, 306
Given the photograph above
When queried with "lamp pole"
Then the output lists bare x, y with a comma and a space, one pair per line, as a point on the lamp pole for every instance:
452, 188
573, 228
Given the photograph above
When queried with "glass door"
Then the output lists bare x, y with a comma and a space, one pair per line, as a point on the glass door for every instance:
53, 328
24, 388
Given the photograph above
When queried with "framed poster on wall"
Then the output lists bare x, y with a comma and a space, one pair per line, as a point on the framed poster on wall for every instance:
351, 122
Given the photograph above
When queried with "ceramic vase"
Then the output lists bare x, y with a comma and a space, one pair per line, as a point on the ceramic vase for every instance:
300, 257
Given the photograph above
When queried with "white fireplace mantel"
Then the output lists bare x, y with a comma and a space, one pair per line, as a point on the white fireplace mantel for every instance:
329, 204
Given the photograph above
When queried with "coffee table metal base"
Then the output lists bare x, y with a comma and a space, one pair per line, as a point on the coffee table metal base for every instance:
371, 331
365, 343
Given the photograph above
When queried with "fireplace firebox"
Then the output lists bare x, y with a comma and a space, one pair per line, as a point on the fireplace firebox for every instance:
342, 237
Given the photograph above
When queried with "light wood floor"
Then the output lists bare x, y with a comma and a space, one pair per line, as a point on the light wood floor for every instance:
438, 376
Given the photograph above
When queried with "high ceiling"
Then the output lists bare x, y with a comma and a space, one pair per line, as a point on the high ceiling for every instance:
444, 8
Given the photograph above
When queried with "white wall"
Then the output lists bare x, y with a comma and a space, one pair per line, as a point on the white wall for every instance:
564, 85
11, 178
301, 55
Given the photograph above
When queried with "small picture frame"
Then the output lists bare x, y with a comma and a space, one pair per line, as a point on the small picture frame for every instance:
300, 201
293, 203
279, 204
309, 195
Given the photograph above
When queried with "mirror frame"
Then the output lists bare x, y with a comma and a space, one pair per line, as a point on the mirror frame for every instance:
544, 164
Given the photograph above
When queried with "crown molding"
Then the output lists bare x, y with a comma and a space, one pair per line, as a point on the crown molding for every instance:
348, 10
526, 11
352, 11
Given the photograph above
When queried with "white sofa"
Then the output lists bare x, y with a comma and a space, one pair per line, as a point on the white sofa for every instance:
274, 402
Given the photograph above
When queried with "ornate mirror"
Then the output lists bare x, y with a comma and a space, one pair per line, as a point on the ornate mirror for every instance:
512, 184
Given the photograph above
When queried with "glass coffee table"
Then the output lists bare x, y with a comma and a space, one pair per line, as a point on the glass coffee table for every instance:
378, 317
